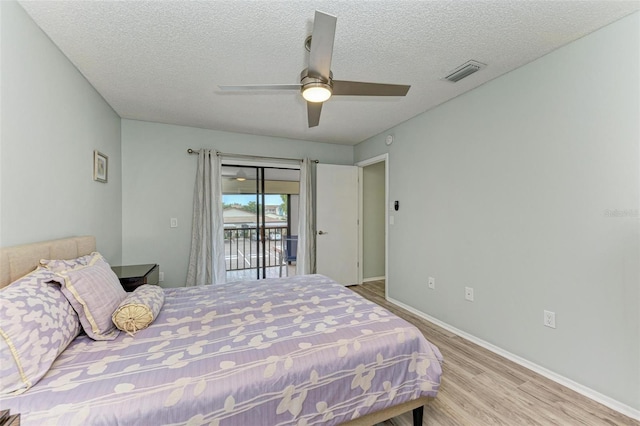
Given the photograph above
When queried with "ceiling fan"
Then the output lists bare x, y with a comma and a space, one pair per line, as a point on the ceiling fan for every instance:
316, 81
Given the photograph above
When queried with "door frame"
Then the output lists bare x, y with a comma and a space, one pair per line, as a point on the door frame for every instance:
362, 164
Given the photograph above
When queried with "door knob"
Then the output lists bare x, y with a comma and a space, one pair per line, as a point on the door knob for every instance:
322, 232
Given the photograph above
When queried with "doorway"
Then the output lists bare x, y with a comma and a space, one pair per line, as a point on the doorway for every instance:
260, 207
374, 219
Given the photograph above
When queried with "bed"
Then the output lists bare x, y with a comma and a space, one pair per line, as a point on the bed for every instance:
299, 350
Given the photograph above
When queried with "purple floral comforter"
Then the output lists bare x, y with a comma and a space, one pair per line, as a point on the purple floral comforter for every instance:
295, 351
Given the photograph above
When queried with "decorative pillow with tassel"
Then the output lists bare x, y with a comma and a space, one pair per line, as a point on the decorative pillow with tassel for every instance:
139, 309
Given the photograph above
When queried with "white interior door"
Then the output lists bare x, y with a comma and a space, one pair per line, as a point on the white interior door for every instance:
337, 222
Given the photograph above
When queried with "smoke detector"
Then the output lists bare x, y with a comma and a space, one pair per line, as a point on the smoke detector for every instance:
464, 70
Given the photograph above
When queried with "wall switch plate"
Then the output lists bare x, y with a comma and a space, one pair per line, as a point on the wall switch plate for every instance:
549, 319
161, 276
432, 283
468, 294
174, 222
391, 220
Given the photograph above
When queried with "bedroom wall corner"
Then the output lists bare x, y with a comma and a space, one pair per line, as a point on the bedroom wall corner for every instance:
528, 189
52, 119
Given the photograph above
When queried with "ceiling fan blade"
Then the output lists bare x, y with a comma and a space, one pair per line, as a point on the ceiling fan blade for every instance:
324, 31
358, 88
248, 87
313, 113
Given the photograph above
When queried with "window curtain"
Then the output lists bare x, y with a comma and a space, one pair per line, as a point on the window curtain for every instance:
306, 257
206, 260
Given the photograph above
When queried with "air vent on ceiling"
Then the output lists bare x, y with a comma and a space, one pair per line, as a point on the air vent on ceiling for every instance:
464, 70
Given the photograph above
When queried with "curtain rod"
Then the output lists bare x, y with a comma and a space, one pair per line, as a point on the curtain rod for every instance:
253, 157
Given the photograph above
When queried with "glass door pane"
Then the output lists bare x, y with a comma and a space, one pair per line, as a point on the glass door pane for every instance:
282, 187
260, 240
242, 220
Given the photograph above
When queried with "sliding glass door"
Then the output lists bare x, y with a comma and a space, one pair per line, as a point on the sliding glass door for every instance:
260, 221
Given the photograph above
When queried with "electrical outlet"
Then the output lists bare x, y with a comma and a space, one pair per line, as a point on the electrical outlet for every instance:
549, 319
468, 294
161, 276
174, 222
432, 283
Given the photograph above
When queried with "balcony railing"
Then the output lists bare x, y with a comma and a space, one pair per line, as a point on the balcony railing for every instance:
243, 248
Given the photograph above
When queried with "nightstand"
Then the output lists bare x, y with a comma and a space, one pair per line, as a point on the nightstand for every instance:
133, 276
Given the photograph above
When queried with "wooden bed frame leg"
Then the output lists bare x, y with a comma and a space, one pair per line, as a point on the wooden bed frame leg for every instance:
417, 416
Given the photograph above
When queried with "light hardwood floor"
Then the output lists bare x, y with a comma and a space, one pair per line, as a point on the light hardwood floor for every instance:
480, 387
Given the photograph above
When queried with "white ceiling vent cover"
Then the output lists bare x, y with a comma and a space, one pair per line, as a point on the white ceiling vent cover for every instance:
464, 70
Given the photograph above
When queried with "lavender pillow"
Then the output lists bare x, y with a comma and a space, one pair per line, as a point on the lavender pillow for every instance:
95, 292
58, 265
139, 309
36, 324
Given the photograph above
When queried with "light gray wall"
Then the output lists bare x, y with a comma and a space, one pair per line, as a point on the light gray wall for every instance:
52, 120
158, 179
527, 189
373, 209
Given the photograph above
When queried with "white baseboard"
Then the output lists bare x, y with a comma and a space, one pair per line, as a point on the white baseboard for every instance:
366, 280
581, 389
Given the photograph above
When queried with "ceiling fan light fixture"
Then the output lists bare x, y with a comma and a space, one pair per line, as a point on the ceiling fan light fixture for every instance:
316, 81
316, 92
241, 176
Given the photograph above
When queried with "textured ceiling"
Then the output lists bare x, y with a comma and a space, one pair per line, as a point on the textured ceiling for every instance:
163, 61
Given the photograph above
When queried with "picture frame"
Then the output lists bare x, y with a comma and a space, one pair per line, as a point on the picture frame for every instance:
100, 166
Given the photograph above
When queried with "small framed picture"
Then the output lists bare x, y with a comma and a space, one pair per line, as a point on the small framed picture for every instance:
100, 166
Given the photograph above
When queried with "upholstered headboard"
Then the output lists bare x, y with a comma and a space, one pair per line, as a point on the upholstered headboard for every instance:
20, 260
